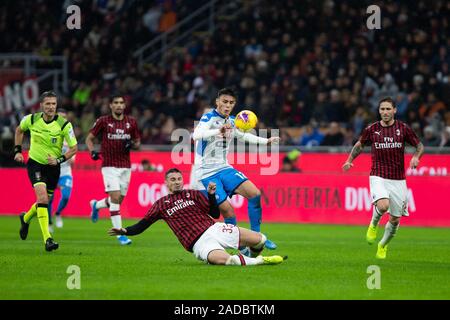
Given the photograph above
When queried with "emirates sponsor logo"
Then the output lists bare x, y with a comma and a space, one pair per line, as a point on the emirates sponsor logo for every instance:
119, 135
180, 204
388, 143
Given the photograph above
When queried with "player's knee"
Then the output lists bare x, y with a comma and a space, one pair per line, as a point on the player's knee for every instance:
383, 206
394, 220
217, 257
228, 214
255, 193
258, 241
65, 193
42, 198
114, 199
226, 209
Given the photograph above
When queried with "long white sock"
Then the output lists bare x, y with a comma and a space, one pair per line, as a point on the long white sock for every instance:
389, 232
256, 249
376, 216
116, 219
241, 260
104, 203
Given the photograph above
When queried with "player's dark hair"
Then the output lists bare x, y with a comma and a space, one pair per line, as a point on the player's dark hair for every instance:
171, 170
227, 91
387, 99
47, 94
115, 96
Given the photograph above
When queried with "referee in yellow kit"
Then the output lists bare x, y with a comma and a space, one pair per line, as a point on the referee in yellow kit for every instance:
47, 134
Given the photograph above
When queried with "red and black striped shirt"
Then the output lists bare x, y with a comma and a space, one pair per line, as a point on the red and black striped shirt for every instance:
388, 148
113, 135
185, 212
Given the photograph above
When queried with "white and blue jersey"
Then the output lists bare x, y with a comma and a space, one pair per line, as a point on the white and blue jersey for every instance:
65, 176
211, 151
66, 168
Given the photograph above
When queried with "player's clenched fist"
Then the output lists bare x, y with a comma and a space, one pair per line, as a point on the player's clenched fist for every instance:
18, 157
347, 166
212, 188
95, 155
414, 163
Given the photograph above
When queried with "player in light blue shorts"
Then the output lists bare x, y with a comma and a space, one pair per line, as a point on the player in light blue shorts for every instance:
227, 181
212, 137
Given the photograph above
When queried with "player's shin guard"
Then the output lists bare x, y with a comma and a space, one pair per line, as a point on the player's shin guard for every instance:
104, 203
62, 204
255, 213
376, 216
50, 194
231, 220
241, 260
42, 214
389, 232
256, 249
116, 219
30, 213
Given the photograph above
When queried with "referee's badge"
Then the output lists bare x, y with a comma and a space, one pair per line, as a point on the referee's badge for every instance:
54, 140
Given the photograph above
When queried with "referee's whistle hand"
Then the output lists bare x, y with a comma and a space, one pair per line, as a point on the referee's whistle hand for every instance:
18, 157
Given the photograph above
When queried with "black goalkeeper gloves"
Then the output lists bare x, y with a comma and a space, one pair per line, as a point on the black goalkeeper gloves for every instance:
95, 155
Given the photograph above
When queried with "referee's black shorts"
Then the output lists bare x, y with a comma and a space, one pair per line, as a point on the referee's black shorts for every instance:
43, 173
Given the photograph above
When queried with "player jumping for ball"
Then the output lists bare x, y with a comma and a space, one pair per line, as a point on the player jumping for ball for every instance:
212, 137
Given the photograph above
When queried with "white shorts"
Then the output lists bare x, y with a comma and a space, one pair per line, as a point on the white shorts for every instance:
116, 179
394, 190
219, 236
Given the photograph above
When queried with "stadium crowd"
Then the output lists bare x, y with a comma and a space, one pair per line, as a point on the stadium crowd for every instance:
311, 68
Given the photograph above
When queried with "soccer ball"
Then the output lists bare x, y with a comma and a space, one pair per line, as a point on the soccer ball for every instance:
246, 120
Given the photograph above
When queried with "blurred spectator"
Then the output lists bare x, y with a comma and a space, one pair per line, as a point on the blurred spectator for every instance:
311, 136
147, 166
334, 136
445, 140
430, 138
295, 63
290, 161
151, 19
168, 18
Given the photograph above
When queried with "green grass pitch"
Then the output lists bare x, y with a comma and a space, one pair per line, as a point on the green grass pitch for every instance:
325, 262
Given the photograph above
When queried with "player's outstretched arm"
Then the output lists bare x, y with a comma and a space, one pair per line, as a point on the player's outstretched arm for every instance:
254, 139
417, 155
135, 229
202, 131
356, 151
